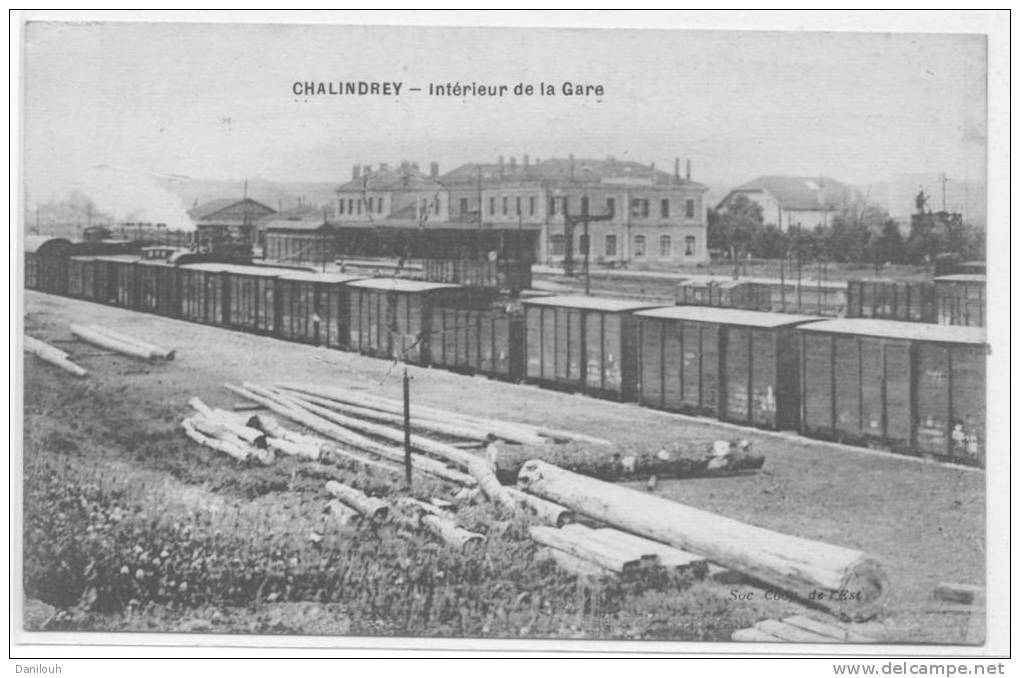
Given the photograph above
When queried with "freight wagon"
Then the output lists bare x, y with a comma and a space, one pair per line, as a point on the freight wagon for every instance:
891, 299
157, 288
906, 386
203, 293
479, 341
961, 300
251, 297
726, 294
737, 365
392, 317
315, 308
583, 343
46, 263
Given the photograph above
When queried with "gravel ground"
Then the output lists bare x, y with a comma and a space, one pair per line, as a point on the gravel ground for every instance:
924, 521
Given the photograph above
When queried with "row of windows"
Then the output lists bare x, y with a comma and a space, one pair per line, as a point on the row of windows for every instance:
557, 245
639, 207
356, 205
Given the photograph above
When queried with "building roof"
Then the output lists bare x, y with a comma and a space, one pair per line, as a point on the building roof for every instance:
211, 208
589, 303
727, 316
800, 193
558, 170
238, 269
401, 285
35, 243
897, 329
296, 224
402, 178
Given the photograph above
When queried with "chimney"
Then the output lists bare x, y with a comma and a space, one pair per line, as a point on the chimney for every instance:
676, 170
688, 169
526, 160
500, 166
571, 166
513, 164
356, 172
434, 170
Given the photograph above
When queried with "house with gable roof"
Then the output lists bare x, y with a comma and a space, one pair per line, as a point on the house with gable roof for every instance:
796, 202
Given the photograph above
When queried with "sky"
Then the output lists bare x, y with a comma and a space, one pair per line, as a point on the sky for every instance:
116, 103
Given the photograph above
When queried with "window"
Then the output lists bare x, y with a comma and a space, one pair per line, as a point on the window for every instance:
664, 208
350, 206
371, 204
463, 206
552, 207
556, 245
531, 205
689, 208
519, 206
639, 245
639, 207
506, 202
665, 246
566, 205
689, 247
492, 206
610, 245
437, 205
584, 204
340, 206
360, 201
583, 244
611, 206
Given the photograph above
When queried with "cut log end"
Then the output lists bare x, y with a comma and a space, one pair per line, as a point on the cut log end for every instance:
864, 585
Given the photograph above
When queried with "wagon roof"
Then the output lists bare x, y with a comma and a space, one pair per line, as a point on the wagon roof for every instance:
239, 269
727, 316
962, 277
401, 285
589, 303
897, 329
308, 276
127, 258
34, 243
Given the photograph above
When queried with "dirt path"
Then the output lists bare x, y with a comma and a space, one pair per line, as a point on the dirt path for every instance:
925, 522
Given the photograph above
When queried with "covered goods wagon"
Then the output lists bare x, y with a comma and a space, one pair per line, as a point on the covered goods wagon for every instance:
891, 299
392, 317
907, 386
583, 343
737, 365
314, 307
486, 341
203, 293
961, 299
725, 293
46, 263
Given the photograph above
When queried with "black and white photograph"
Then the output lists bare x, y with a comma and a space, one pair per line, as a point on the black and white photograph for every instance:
646, 336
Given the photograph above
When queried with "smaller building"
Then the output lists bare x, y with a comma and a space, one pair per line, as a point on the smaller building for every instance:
796, 202
228, 223
300, 240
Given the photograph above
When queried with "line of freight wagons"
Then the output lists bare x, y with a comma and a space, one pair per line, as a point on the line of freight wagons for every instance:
912, 387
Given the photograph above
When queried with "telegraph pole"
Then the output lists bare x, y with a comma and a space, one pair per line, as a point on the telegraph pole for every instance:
569, 221
407, 427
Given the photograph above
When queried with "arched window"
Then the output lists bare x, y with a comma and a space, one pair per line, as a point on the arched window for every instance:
665, 246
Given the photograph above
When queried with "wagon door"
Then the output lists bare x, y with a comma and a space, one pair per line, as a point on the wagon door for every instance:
967, 403
651, 362
898, 393
533, 341
932, 414
764, 395
816, 375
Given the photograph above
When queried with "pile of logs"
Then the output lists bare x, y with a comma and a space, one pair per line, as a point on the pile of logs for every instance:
844, 581
53, 356
120, 343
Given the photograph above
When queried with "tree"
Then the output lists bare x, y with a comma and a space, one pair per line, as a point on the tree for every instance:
847, 239
734, 227
770, 243
888, 246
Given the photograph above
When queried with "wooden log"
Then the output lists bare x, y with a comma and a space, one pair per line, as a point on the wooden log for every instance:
965, 594
417, 422
342, 513
246, 407
754, 635
53, 356
572, 564
450, 532
511, 432
154, 350
292, 449
372, 507
692, 460
234, 450
571, 436
850, 583
585, 549
200, 407
250, 435
551, 513
791, 634
416, 507
421, 464
99, 339
668, 556
638, 552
